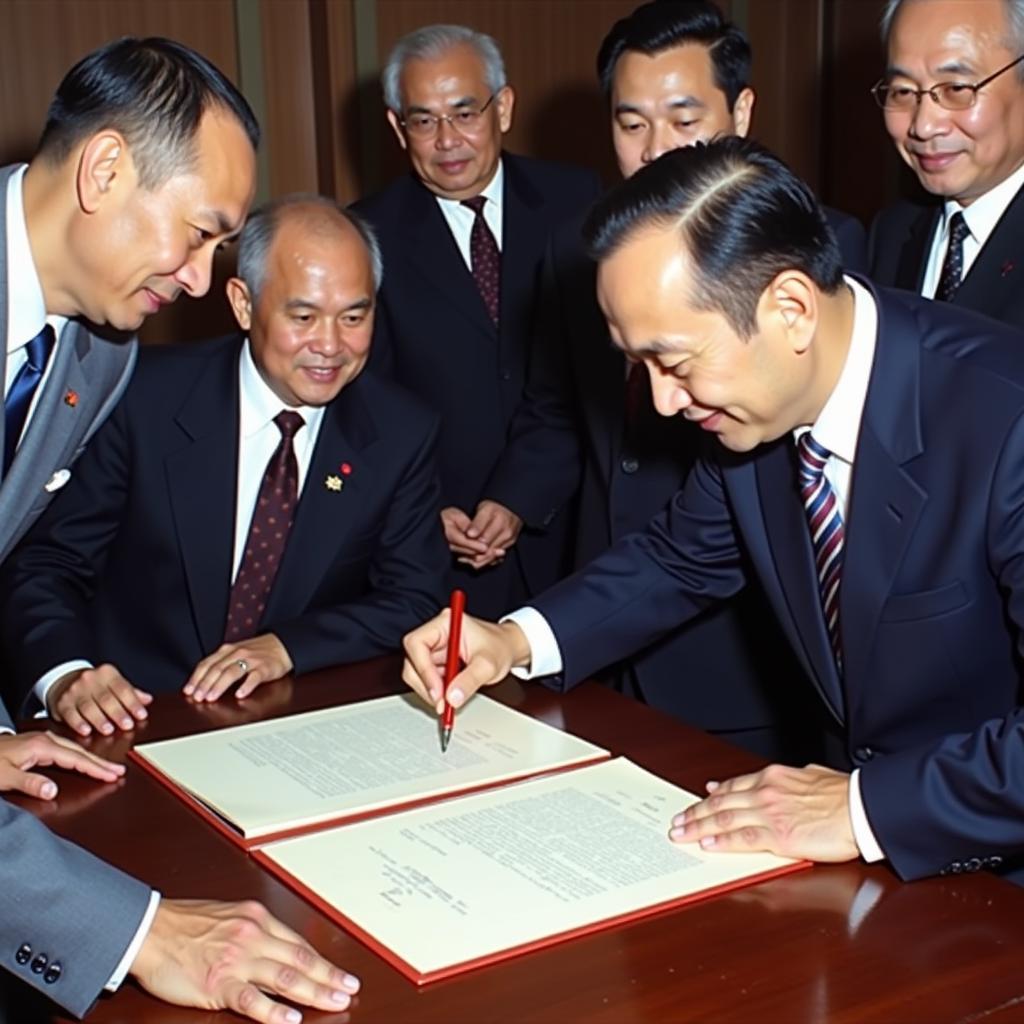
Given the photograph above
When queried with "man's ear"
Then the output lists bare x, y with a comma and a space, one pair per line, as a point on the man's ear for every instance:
793, 298
396, 127
743, 112
102, 162
241, 302
505, 102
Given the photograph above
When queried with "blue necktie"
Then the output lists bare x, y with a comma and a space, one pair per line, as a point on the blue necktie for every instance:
827, 532
23, 387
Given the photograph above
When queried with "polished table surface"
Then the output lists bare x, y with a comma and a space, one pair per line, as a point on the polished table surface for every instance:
847, 943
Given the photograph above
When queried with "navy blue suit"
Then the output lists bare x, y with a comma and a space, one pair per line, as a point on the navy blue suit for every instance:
572, 422
132, 563
433, 332
932, 595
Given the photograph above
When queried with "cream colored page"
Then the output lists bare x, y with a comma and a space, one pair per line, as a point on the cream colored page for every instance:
445, 884
313, 767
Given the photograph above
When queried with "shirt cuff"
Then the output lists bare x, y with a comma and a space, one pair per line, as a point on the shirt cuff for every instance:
45, 682
135, 945
862, 833
545, 656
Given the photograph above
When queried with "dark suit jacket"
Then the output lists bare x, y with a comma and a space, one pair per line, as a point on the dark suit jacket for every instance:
574, 416
433, 332
901, 239
132, 564
932, 595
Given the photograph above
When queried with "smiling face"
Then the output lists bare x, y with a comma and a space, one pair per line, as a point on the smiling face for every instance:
745, 391
957, 154
453, 163
668, 100
310, 327
133, 249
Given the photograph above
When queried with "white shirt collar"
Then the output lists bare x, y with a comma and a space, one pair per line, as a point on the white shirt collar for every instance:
26, 308
983, 214
493, 193
838, 424
257, 403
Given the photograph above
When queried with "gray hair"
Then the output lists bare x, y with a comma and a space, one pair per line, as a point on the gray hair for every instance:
1014, 41
430, 43
261, 227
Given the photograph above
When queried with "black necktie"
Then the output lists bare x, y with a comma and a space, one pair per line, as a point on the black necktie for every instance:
23, 387
953, 265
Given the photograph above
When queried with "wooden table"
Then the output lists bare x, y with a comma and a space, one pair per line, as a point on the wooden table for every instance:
837, 944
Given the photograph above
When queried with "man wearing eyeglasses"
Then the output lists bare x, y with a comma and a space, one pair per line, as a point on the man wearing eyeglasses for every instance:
953, 102
462, 240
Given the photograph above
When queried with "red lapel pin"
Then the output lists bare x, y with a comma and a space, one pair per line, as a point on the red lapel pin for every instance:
71, 398
1006, 268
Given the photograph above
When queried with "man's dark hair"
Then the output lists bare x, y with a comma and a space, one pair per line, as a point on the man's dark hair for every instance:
742, 215
655, 27
154, 92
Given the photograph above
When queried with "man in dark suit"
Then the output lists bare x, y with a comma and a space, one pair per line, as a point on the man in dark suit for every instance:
146, 164
953, 101
363, 560
463, 238
674, 73
869, 464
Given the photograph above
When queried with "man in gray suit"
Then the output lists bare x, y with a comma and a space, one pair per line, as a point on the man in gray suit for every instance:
146, 164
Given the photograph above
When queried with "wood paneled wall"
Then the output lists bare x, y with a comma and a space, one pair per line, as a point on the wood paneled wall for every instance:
311, 67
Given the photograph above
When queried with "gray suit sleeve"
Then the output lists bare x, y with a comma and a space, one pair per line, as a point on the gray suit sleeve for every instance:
66, 918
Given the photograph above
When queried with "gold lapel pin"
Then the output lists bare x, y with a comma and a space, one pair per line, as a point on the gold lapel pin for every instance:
334, 482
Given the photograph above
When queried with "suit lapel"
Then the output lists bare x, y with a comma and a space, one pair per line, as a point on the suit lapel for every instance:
434, 253
5, 175
995, 279
524, 232
326, 518
786, 525
914, 255
885, 502
201, 483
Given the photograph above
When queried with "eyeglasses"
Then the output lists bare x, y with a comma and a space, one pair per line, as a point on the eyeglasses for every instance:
465, 120
948, 95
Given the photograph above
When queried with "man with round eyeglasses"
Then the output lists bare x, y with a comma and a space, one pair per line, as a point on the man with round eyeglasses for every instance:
463, 237
953, 103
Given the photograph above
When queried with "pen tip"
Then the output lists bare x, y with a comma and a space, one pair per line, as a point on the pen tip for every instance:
446, 735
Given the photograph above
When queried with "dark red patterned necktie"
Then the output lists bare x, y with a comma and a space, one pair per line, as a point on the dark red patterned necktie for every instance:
268, 533
485, 257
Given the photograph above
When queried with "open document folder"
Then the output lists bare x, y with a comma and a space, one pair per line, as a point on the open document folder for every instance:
287, 775
469, 881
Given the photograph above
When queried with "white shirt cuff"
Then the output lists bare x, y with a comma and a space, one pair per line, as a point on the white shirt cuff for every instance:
863, 836
136, 944
45, 682
4, 731
545, 656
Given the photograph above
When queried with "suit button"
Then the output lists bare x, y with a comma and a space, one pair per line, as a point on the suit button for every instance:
629, 464
506, 374
39, 964
24, 953
53, 973
956, 868
994, 861
974, 864
863, 754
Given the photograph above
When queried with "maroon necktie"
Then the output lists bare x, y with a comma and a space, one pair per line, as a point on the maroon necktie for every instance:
268, 533
484, 257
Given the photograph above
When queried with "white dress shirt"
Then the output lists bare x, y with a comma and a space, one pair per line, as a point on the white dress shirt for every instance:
26, 317
837, 428
981, 218
26, 308
460, 218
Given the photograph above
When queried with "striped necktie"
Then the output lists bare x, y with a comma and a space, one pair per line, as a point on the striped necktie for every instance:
827, 534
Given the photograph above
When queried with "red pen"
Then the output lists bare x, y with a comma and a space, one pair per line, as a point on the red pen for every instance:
451, 665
